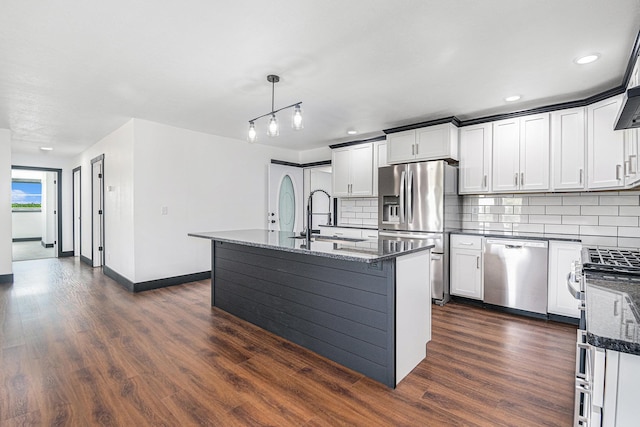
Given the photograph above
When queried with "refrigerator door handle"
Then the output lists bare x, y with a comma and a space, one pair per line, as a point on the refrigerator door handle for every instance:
410, 198
402, 208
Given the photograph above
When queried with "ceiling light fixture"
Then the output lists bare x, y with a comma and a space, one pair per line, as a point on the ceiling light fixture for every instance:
512, 98
273, 128
352, 132
587, 59
46, 148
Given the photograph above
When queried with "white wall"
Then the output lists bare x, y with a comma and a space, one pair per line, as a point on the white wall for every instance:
50, 160
117, 148
206, 183
315, 155
5, 202
26, 224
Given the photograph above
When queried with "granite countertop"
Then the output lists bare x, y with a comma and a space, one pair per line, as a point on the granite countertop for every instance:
519, 235
360, 250
613, 316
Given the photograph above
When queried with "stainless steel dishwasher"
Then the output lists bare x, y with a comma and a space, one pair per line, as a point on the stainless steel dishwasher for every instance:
515, 274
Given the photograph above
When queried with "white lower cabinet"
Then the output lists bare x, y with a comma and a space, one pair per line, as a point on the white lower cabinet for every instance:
621, 393
559, 299
466, 266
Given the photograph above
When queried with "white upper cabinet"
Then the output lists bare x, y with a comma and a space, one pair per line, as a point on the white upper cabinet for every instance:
521, 154
631, 170
605, 147
353, 171
568, 149
475, 159
534, 152
401, 146
429, 143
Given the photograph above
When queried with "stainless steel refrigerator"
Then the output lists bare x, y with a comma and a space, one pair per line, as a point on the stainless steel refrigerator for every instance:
420, 201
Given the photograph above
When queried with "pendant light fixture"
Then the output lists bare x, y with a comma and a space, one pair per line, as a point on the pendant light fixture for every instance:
273, 128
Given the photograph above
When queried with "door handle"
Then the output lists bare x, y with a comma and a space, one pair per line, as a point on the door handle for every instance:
516, 179
484, 181
417, 149
632, 161
618, 169
402, 195
478, 262
581, 172
410, 197
521, 178
413, 149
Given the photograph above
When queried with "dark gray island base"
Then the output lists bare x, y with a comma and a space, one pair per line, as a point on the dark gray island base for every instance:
369, 312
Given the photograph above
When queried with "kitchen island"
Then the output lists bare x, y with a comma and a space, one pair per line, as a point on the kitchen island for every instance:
365, 304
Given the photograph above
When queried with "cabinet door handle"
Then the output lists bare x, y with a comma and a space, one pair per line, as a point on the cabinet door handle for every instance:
627, 164
618, 169
521, 178
615, 308
484, 181
632, 161
516, 179
478, 262
417, 149
581, 172
466, 243
413, 149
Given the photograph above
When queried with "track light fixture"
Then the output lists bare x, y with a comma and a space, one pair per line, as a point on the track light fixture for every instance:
273, 129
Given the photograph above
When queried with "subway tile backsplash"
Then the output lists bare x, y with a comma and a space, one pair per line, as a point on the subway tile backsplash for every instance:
358, 211
601, 219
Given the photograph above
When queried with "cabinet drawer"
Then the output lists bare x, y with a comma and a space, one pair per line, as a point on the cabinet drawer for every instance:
341, 232
369, 234
463, 241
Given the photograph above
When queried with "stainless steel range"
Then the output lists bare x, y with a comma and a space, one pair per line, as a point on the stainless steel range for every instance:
595, 264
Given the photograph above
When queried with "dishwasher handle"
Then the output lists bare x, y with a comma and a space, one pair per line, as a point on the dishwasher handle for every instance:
517, 244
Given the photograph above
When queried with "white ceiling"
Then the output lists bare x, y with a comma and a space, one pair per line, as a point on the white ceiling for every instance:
73, 71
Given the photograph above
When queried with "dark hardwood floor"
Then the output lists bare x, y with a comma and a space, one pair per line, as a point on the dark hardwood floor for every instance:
77, 349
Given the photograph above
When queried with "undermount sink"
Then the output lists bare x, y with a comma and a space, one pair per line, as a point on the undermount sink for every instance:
321, 238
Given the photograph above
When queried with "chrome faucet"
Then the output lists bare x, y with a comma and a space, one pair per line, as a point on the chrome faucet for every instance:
310, 212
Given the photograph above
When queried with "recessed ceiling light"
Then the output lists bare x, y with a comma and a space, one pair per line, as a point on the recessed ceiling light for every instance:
46, 148
587, 59
352, 132
512, 98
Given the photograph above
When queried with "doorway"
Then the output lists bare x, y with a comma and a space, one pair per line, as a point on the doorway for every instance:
97, 211
285, 198
36, 212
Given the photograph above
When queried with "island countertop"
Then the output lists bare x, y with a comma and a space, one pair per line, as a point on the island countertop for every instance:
361, 250
613, 321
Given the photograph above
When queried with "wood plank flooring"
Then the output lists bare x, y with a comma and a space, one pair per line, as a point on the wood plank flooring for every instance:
77, 349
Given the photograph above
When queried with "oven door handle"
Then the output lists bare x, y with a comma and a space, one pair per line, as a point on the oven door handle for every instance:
571, 285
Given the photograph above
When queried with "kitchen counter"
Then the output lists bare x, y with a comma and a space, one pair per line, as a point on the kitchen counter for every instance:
613, 315
361, 250
365, 304
519, 235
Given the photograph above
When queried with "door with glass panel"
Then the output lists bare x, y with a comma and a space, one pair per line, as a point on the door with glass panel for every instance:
286, 206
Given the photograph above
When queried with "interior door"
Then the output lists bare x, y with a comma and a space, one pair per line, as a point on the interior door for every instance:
97, 212
286, 206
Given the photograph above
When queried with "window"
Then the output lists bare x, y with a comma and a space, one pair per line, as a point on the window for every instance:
26, 194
